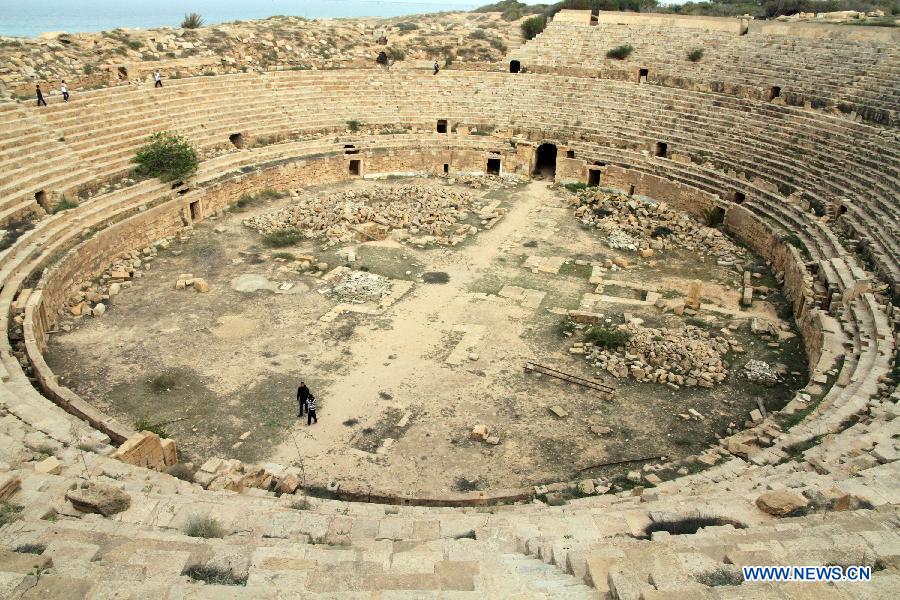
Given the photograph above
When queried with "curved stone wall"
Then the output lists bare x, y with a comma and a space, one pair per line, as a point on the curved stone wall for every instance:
791, 182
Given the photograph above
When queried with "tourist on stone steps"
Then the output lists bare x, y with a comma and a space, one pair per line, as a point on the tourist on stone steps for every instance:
157, 79
40, 96
311, 410
436, 68
65, 90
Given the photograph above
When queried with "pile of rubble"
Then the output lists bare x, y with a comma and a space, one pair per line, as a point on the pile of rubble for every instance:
676, 357
436, 215
488, 182
358, 287
92, 297
760, 372
635, 224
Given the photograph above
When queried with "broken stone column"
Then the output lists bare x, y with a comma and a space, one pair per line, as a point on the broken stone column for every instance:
747, 293
146, 449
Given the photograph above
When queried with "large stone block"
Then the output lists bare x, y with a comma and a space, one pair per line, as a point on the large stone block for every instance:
146, 449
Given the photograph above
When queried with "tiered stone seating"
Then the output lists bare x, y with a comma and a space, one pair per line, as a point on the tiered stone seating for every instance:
786, 160
858, 73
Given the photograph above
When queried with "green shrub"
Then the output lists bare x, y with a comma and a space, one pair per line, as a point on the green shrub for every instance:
478, 34
30, 548
204, 527
133, 44
406, 26
353, 125
192, 21
695, 55
576, 187
620, 52
395, 54
533, 26
497, 44
88, 69
166, 155
284, 255
713, 217
604, 337
145, 425
283, 237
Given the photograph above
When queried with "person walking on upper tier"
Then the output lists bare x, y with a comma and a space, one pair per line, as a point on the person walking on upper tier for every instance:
311, 410
436, 67
65, 90
40, 95
303, 396
157, 79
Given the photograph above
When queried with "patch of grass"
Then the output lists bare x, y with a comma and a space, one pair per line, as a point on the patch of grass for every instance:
354, 125
575, 270
301, 504
164, 382
565, 326
30, 548
88, 69
478, 34
690, 525
284, 255
64, 204
435, 277
134, 44
605, 337
576, 187
406, 26
145, 425
283, 237
695, 55
204, 527
724, 575
395, 54
350, 422
213, 575
85, 447
620, 52
9, 512
44, 450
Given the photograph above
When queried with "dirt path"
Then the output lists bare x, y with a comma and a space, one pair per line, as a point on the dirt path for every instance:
420, 322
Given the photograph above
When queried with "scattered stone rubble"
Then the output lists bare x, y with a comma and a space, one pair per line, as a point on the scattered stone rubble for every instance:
358, 287
92, 298
418, 214
689, 356
636, 224
760, 372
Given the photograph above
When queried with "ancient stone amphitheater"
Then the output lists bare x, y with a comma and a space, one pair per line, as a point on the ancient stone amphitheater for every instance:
788, 130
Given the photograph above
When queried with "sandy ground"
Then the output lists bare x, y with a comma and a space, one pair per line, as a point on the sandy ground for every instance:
395, 415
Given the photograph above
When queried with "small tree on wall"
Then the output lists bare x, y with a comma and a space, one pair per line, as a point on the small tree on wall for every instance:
167, 156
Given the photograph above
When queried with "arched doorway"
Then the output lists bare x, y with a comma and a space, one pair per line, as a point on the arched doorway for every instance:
545, 161
515, 66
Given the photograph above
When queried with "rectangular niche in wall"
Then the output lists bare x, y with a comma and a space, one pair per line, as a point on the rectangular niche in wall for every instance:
660, 149
354, 167
442, 126
493, 166
195, 210
594, 177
